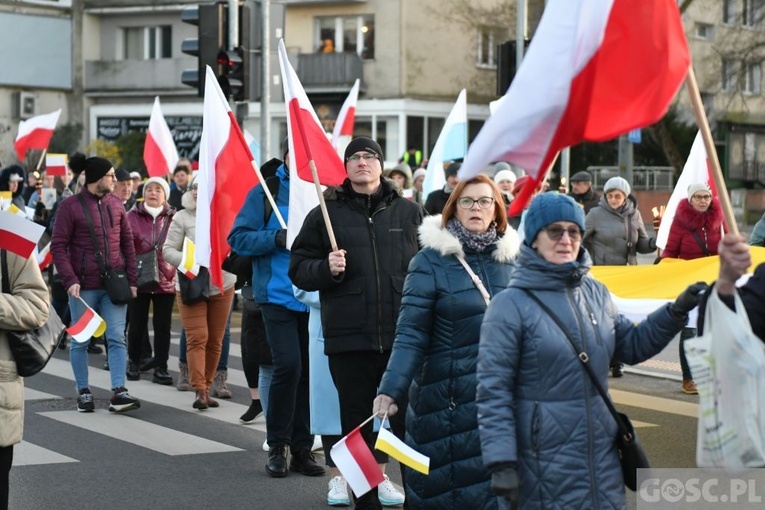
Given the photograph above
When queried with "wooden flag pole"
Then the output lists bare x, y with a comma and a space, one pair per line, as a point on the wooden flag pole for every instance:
42, 157
709, 145
323, 205
269, 196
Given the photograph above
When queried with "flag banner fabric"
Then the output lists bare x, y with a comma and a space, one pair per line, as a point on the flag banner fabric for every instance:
346, 119
18, 234
307, 138
89, 324
396, 448
225, 177
303, 198
355, 461
188, 266
13, 209
590, 74
44, 257
696, 170
254, 146
35, 133
55, 164
159, 151
450, 145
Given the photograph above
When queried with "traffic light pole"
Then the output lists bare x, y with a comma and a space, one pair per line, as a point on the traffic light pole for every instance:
233, 25
265, 95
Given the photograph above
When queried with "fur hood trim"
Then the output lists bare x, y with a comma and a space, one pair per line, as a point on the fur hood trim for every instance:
435, 237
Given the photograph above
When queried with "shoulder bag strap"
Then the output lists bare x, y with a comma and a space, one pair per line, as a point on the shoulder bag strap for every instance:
162, 232
582, 356
476, 280
6, 281
701, 244
89, 220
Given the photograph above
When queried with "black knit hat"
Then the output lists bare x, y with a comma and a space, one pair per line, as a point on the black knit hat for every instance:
95, 167
363, 143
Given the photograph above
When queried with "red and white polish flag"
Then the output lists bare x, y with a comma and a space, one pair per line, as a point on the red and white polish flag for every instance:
89, 324
346, 119
159, 152
355, 461
18, 234
44, 257
225, 177
595, 69
35, 133
55, 164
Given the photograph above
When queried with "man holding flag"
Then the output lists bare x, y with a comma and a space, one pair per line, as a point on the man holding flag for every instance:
360, 286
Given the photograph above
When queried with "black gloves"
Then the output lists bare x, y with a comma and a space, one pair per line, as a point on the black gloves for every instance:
688, 300
281, 239
504, 483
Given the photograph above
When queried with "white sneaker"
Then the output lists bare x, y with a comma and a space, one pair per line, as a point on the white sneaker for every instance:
317, 444
338, 492
265, 446
388, 494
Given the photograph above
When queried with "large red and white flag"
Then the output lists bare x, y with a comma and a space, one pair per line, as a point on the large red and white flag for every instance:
18, 234
35, 133
225, 177
159, 152
308, 140
595, 69
346, 119
355, 461
696, 170
55, 164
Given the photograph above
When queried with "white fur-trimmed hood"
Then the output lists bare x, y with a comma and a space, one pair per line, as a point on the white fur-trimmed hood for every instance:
433, 236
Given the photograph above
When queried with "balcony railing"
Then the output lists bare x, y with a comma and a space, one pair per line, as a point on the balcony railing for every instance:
329, 72
138, 75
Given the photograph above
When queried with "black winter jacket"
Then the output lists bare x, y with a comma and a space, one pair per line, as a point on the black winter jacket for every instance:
359, 307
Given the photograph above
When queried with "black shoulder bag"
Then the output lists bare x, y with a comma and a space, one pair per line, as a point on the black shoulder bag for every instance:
32, 349
148, 264
631, 454
115, 280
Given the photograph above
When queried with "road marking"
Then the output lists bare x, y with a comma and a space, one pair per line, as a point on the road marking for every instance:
31, 394
140, 433
664, 405
28, 454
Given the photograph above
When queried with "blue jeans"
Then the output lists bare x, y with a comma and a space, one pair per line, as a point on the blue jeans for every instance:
223, 362
685, 335
265, 374
115, 317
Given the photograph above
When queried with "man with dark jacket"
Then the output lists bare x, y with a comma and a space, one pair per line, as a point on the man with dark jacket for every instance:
582, 192
436, 200
359, 284
77, 259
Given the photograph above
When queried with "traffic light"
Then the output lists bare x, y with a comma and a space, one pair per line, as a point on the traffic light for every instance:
211, 23
232, 73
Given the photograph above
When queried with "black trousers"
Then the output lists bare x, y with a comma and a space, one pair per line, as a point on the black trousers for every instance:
6, 460
161, 321
255, 348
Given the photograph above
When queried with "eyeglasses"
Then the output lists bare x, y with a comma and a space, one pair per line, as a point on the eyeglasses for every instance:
699, 198
467, 202
365, 157
556, 233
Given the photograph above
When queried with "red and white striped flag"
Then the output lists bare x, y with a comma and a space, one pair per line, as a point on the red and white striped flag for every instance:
35, 133
44, 257
346, 119
225, 177
55, 164
18, 234
159, 152
355, 461
88, 325
595, 69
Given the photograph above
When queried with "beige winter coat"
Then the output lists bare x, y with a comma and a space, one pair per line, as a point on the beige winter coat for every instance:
25, 308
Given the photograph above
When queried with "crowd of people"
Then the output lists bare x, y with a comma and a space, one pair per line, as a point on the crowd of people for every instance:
439, 315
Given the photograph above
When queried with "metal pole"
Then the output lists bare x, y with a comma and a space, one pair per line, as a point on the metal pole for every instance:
265, 95
521, 30
233, 25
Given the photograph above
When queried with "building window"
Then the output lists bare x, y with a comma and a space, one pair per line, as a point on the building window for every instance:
752, 78
486, 47
146, 43
705, 31
340, 34
729, 75
752, 13
729, 12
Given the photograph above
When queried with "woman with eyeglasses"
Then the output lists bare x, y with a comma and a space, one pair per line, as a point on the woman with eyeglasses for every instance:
696, 231
434, 354
547, 436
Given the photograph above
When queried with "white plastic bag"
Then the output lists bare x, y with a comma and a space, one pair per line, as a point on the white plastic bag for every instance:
728, 367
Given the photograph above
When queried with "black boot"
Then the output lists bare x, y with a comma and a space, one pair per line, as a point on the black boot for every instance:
304, 462
276, 466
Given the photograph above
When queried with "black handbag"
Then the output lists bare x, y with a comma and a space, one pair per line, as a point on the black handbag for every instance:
32, 349
115, 280
148, 264
631, 454
194, 290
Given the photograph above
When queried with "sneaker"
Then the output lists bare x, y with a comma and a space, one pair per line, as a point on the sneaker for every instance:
265, 446
337, 494
689, 387
255, 410
85, 401
317, 444
122, 401
133, 374
388, 494
183, 378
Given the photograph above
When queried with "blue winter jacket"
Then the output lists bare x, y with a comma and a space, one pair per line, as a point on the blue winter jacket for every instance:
249, 236
435, 351
536, 404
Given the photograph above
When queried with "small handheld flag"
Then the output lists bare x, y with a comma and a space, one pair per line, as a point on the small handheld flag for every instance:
88, 325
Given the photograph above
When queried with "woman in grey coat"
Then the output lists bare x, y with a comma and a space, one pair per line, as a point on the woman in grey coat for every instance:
613, 231
546, 434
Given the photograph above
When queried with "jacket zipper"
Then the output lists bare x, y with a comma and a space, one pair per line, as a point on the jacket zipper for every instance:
103, 229
373, 236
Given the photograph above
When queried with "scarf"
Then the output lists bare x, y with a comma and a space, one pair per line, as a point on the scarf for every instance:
154, 211
476, 241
